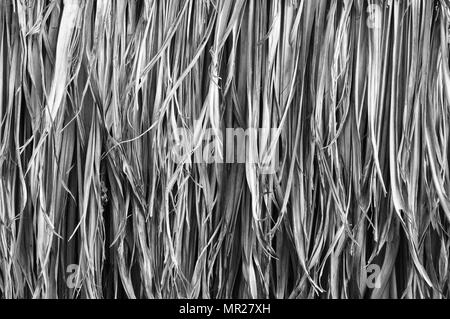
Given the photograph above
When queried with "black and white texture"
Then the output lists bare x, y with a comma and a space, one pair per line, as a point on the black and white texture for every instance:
224, 149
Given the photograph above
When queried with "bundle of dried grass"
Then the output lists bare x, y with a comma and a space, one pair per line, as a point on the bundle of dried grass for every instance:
94, 205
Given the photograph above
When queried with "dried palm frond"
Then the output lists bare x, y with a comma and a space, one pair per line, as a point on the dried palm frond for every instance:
94, 93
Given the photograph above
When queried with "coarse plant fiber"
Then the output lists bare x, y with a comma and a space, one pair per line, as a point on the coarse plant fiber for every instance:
93, 205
